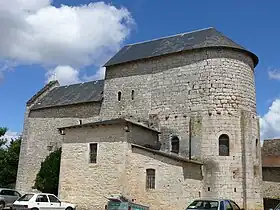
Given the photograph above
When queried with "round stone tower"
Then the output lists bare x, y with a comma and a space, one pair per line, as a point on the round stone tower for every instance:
198, 89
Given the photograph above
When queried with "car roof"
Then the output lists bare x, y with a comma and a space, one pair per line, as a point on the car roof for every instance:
32, 193
213, 199
7, 189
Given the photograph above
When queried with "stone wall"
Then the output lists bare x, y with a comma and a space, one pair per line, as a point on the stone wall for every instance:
88, 184
40, 132
271, 182
71, 111
211, 91
142, 136
177, 183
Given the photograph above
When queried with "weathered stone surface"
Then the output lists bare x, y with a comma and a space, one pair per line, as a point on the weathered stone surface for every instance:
215, 87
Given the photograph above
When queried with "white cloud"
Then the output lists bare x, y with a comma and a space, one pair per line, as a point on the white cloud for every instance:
34, 31
99, 75
274, 74
9, 135
270, 122
64, 74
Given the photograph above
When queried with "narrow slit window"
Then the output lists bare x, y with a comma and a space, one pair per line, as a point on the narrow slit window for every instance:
224, 145
257, 148
151, 176
119, 96
175, 144
132, 95
93, 153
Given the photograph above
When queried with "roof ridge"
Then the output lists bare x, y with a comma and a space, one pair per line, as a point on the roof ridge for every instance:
80, 83
169, 36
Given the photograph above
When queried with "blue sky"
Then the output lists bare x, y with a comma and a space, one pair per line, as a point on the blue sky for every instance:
253, 24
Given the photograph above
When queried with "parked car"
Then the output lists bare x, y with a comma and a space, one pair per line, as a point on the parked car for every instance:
8, 197
41, 201
213, 204
276, 208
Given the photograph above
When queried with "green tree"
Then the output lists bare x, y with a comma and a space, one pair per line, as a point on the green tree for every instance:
47, 179
9, 157
2, 133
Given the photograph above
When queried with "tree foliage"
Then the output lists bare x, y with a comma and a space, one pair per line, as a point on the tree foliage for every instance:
47, 179
9, 157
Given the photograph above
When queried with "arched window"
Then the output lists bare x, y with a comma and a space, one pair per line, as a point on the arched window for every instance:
119, 95
175, 144
151, 178
223, 145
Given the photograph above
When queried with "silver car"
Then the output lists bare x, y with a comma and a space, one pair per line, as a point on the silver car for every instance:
8, 197
213, 204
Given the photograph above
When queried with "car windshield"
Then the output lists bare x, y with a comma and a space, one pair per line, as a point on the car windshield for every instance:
204, 204
26, 197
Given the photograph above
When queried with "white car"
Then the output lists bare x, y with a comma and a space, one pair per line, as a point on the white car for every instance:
41, 201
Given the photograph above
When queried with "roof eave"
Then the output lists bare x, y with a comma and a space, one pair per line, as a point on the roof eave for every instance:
252, 55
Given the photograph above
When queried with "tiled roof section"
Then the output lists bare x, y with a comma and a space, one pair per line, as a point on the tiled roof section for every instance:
203, 38
110, 122
40, 92
271, 147
72, 94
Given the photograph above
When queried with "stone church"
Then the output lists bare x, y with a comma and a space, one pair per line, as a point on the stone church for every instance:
174, 120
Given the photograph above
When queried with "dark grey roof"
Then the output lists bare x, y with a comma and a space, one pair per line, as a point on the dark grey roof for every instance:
40, 92
204, 38
72, 94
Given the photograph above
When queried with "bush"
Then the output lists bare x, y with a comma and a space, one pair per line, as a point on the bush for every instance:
47, 179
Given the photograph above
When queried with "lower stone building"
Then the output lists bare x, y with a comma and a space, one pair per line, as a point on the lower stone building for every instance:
271, 173
119, 156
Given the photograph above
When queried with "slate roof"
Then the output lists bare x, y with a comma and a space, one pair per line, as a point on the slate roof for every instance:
108, 122
203, 38
72, 94
40, 92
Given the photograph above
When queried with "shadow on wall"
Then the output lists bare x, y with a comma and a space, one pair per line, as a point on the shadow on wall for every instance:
190, 170
210, 167
271, 174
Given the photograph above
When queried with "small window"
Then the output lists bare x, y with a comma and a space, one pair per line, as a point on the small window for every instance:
93, 153
42, 198
257, 148
224, 145
119, 96
150, 182
53, 199
132, 95
175, 144
26, 197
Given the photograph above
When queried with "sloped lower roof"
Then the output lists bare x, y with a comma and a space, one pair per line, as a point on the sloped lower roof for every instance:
203, 38
72, 94
165, 154
110, 122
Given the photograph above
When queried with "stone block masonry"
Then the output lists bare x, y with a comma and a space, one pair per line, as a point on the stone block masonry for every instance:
205, 97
